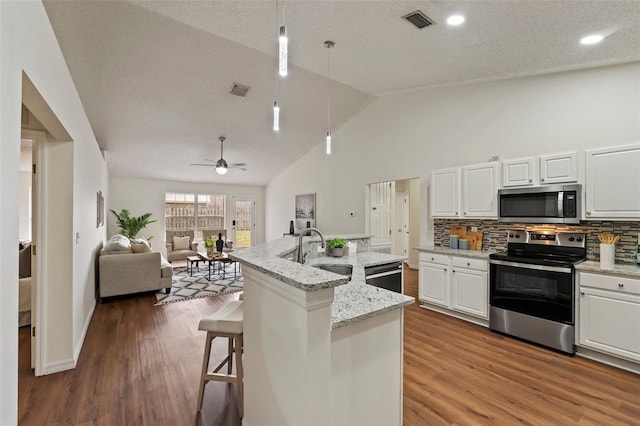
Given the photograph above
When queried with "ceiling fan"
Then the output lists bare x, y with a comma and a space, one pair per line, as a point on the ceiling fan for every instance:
221, 165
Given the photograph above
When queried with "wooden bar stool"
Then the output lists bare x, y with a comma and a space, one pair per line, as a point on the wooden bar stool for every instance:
227, 322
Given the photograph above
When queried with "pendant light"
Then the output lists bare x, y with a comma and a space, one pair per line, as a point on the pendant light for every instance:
276, 104
328, 44
276, 116
283, 43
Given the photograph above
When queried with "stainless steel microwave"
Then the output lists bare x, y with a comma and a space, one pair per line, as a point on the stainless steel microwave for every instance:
544, 204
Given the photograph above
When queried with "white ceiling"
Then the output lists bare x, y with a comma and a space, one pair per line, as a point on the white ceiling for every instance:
154, 76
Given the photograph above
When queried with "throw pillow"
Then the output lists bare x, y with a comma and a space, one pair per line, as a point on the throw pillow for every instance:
181, 243
140, 245
118, 244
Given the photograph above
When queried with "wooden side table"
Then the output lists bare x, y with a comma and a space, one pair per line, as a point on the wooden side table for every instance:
190, 261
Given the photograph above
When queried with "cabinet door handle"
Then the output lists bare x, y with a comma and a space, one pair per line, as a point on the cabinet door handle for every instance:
588, 213
582, 293
620, 285
433, 258
530, 180
541, 179
468, 264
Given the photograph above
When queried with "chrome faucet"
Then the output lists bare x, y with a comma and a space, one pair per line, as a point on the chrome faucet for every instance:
308, 231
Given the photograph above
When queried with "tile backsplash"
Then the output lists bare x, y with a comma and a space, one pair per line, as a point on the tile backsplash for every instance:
495, 235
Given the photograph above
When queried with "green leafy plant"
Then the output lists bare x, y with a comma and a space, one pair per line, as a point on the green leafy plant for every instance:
131, 225
209, 243
337, 243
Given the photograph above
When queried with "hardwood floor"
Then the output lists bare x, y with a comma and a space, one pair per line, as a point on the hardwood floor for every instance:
140, 365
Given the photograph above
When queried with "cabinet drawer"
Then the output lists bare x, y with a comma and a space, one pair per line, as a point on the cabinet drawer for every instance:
610, 282
465, 262
442, 259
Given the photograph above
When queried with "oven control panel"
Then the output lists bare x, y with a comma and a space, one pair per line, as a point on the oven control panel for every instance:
550, 238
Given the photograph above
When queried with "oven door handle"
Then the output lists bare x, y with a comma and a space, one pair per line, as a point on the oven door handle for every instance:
531, 266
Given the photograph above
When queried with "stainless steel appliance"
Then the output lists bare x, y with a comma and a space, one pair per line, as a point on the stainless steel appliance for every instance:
545, 204
387, 276
532, 287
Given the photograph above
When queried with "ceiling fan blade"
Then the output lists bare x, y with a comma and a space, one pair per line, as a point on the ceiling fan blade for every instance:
206, 165
238, 164
235, 166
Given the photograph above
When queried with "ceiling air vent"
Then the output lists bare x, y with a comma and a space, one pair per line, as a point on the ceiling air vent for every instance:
418, 19
239, 90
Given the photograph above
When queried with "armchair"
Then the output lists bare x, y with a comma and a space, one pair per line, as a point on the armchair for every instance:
176, 249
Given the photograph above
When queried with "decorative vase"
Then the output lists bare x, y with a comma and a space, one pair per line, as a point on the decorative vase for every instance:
337, 251
291, 229
308, 224
219, 243
209, 251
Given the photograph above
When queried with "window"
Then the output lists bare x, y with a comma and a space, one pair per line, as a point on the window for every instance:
194, 212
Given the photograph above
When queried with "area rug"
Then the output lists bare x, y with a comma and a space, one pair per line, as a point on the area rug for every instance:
185, 287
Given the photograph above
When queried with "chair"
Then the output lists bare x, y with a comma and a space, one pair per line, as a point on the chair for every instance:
227, 322
180, 253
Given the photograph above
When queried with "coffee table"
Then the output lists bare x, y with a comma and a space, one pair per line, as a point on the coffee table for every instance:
219, 259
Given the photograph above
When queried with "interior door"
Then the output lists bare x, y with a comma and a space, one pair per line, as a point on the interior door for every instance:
243, 221
381, 196
400, 227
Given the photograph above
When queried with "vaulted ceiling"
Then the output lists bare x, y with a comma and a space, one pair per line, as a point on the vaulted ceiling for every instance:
154, 76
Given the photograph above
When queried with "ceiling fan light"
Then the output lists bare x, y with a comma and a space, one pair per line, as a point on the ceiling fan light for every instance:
221, 170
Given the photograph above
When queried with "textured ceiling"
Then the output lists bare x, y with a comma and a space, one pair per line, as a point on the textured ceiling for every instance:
154, 76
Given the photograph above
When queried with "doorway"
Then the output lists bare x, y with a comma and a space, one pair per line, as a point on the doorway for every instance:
243, 221
393, 217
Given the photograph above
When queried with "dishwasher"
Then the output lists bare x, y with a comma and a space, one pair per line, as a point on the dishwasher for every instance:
387, 276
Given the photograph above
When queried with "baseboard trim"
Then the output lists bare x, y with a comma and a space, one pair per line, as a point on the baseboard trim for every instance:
58, 366
613, 361
85, 328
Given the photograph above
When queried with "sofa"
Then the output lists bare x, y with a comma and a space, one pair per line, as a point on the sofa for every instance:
24, 285
129, 266
180, 245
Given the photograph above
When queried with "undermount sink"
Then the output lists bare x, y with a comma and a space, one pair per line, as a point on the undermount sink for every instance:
336, 269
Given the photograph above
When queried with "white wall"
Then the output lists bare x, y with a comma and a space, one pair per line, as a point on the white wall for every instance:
408, 135
27, 43
141, 196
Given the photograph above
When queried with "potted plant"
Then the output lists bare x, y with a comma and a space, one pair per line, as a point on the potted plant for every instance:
131, 225
337, 246
210, 245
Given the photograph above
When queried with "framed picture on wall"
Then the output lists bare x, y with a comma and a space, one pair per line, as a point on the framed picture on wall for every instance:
305, 211
100, 210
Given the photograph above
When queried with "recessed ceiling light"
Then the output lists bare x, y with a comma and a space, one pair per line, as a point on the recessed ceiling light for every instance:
455, 20
591, 39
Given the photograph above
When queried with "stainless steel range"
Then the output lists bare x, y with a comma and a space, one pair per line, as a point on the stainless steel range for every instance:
532, 287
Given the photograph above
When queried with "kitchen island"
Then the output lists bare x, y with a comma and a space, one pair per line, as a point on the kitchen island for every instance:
319, 349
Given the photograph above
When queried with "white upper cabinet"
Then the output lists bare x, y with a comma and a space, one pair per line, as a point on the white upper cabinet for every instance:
559, 168
519, 172
445, 195
480, 190
612, 182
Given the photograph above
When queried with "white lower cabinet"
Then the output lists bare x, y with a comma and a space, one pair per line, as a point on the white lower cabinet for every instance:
609, 319
470, 291
433, 279
458, 284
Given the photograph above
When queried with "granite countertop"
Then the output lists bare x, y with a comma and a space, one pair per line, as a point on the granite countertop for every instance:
480, 254
618, 268
353, 300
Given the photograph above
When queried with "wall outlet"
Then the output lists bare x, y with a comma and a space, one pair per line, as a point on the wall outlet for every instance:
474, 229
